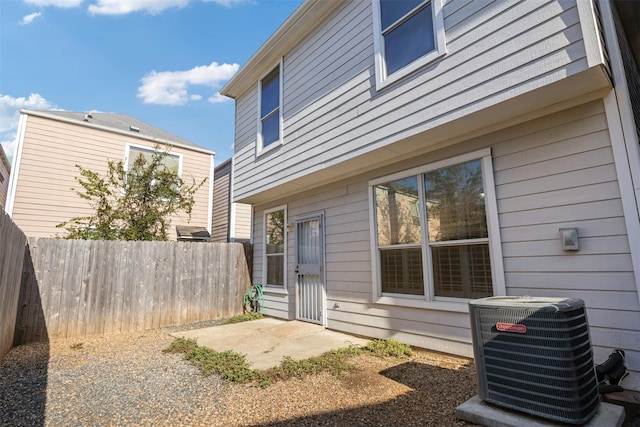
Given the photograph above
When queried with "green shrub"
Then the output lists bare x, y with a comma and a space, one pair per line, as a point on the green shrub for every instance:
233, 367
181, 345
244, 317
389, 347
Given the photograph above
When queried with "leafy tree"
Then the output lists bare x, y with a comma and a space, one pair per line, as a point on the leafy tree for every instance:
134, 203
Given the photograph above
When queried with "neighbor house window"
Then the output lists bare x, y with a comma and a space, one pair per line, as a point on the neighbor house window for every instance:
172, 161
270, 110
408, 34
432, 231
274, 244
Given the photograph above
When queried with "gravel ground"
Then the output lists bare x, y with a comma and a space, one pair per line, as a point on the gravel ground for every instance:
126, 379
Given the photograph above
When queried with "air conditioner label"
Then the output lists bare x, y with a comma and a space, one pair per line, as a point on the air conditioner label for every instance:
511, 327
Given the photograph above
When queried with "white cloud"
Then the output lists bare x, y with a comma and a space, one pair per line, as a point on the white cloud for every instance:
29, 18
216, 98
171, 87
56, 3
122, 7
10, 116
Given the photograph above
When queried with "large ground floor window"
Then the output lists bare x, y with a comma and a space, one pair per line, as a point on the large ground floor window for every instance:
435, 230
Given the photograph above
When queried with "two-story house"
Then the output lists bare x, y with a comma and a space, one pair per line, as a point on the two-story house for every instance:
403, 158
51, 143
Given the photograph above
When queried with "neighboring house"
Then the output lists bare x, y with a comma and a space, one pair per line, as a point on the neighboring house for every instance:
52, 143
401, 162
231, 222
5, 171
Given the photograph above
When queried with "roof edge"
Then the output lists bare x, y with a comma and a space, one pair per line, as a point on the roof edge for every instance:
306, 18
44, 114
5, 159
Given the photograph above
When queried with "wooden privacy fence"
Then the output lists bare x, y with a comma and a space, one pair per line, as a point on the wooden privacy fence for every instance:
12, 245
89, 287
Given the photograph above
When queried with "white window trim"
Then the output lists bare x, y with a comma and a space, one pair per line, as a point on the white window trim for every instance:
260, 150
382, 79
127, 153
429, 301
267, 287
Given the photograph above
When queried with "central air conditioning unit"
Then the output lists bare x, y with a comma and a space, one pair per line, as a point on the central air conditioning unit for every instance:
534, 355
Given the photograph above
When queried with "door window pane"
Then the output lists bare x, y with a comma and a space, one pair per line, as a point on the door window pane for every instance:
275, 270
274, 244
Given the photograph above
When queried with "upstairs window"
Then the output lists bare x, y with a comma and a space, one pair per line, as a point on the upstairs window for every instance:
270, 110
408, 34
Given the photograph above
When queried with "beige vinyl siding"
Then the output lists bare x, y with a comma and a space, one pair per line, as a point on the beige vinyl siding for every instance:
242, 229
221, 215
332, 113
221, 206
51, 150
552, 172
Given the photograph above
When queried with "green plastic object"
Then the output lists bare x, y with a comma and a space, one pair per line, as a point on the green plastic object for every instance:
253, 299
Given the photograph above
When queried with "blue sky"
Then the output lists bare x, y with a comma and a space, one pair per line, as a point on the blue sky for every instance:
160, 61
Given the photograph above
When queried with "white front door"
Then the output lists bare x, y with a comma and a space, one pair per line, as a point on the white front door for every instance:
310, 292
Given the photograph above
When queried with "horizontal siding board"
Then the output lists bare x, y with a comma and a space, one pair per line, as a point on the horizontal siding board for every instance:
323, 63
576, 281
581, 120
567, 180
606, 299
557, 150
600, 227
583, 211
569, 263
564, 197
624, 339
625, 320
588, 246
596, 157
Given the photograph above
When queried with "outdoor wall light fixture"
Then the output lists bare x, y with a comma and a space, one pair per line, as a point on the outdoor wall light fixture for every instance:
569, 239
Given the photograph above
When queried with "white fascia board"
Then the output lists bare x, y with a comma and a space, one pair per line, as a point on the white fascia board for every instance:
15, 167
210, 198
302, 22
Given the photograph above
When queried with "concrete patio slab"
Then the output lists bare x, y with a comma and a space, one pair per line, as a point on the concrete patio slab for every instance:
266, 341
476, 411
